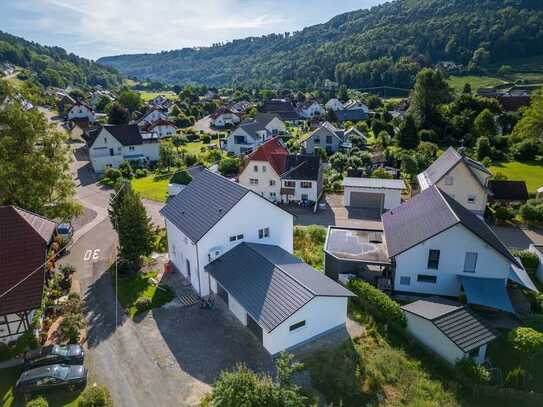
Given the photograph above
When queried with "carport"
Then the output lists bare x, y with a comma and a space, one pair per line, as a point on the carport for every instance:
372, 193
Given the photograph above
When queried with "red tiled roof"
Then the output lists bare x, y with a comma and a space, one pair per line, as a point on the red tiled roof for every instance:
24, 237
273, 152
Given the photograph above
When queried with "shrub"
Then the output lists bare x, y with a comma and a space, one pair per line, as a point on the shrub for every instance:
143, 304
504, 213
25, 342
229, 166
377, 301
529, 260
70, 326
73, 304
468, 370
206, 139
113, 174
37, 402
181, 177
126, 169
532, 211
526, 150
95, 396
140, 173
526, 340
190, 159
516, 379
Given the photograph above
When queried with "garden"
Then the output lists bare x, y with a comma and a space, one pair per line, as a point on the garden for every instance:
309, 245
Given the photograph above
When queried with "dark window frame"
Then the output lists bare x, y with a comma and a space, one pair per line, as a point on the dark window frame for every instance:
296, 326
433, 262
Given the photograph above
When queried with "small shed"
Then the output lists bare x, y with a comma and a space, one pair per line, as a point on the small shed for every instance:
451, 330
373, 193
507, 191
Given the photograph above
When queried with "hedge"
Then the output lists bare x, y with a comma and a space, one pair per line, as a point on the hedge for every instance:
378, 302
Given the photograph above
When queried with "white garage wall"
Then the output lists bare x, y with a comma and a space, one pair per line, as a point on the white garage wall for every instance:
236, 309
428, 334
180, 248
321, 314
393, 197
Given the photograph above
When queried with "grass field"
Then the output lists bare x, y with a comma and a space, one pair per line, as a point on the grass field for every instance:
154, 187
531, 173
140, 286
147, 96
458, 82
309, 245
8, 377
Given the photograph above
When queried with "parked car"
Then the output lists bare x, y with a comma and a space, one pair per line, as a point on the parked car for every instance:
65, 231
54, 354
51, 377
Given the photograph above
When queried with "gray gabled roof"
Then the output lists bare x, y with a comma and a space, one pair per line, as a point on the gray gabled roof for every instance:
446, 162
457, 322
428, 214
126, 134
270, 283
204, 202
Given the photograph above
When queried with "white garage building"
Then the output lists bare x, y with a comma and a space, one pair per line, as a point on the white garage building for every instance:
281, 299
373, 193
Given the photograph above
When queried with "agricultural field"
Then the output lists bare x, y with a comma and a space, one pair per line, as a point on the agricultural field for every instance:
457, 82
147, 96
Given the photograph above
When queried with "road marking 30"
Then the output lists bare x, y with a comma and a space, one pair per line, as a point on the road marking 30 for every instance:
92, 255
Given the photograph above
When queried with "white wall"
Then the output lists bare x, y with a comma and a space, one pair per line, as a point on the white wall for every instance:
13, 322
164, 130
312, 193
180, 249
264, 177
232, 147
453, 245
236, 309
151, 117
81, 112
393, 197
276, 124
320, 314
429, 335
321, 133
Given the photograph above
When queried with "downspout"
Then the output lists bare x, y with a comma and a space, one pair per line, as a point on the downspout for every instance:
198, 269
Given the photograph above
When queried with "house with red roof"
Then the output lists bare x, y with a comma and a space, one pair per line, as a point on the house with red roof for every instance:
274, 174
24, 241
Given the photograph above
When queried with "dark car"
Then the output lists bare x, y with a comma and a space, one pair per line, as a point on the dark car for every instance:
51, 377
55, 354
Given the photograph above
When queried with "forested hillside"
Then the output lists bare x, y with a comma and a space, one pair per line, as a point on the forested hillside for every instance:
387, 44
53, 66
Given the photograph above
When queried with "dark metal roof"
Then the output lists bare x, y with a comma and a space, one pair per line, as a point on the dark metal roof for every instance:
204, 202
24, 237
508, 190
302, 167
270, 283
281, 108
126, 134
428, 214
351, 115
457, 322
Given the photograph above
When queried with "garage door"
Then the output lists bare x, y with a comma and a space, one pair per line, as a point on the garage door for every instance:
367, 200
254, 328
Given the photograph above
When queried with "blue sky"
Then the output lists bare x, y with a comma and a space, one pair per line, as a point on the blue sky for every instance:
95, 28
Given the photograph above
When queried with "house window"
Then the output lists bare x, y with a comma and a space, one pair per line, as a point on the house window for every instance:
272, 194
274, 132
317, 140
239, 237
232, 238
433, 259
255, 168
405, 280
290, 184
263, 233
105, 140
239, 140
296, 326
305, 197
263, 168
306, 184
253, 181
471, 199
272, 182
422, 278
236, 237
470, 262
131, 148
449, 180
328, 139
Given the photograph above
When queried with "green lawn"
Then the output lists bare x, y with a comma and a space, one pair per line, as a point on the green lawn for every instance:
154, 187
196, 147
457, 82
8, 377
147, 96
140, 286
531, 173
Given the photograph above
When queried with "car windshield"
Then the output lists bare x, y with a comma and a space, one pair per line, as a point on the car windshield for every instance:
60, 350
64, 228
61, 372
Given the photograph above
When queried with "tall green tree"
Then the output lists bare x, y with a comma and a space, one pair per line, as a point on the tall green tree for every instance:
531, 124
167, 154
130, 100
408, 137
118, 114
136, 235
485, 125
35, 164
430, 91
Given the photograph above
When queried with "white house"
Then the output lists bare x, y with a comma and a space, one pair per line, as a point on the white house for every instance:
439, 247
82, 111
451, 330
354, 132
273, 173
229, 241
162, 128
356, 105
310, 110
224, 117
460, 177
24, 243
373, 193
326, 137
152, 116
249, 135
110, 145
334, 105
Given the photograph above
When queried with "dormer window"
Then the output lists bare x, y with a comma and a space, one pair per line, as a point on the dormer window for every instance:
471, 199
